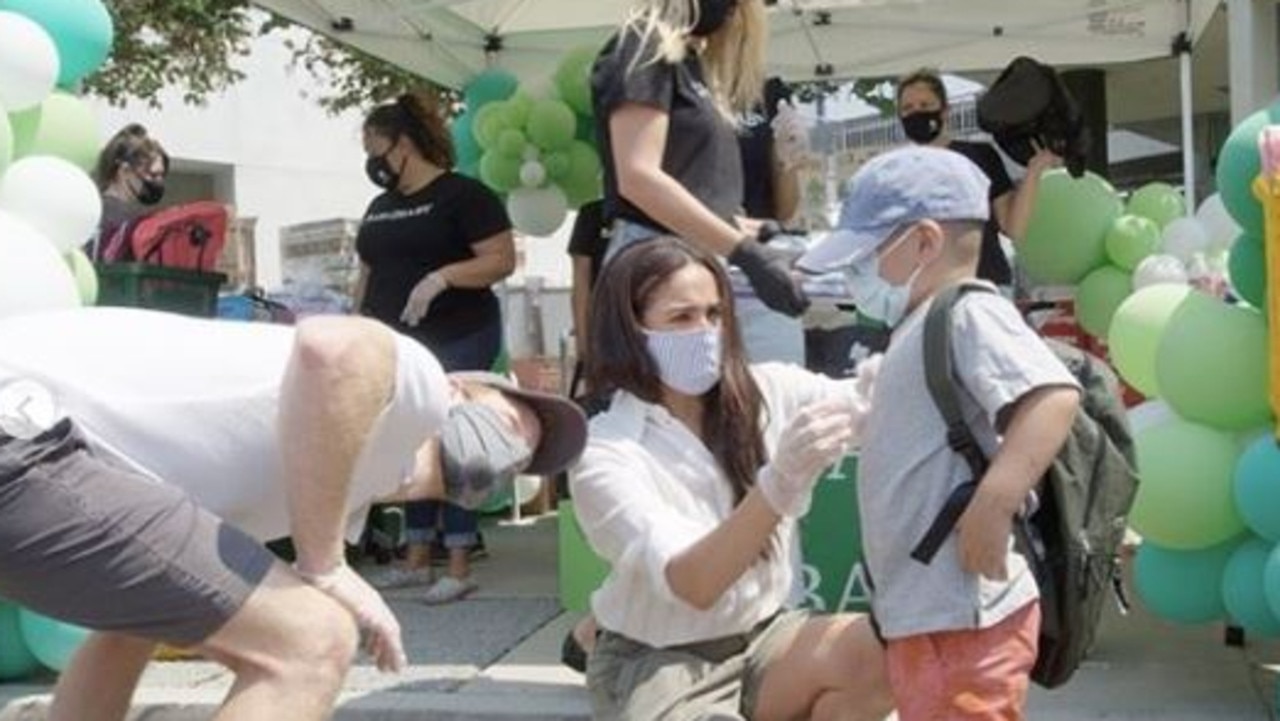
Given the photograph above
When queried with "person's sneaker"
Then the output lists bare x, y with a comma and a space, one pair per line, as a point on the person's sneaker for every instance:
395, 576
447, 590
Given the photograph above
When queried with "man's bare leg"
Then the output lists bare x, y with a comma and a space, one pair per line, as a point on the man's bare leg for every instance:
99, 682
290, 647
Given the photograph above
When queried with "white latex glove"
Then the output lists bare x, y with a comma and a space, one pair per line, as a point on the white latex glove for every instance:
415, 309
814, 439
790, 137
865, 375
377, 624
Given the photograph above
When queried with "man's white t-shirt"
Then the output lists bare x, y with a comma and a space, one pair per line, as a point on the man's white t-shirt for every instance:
194, 403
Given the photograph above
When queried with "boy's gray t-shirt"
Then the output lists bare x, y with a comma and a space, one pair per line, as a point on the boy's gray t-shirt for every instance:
907, 471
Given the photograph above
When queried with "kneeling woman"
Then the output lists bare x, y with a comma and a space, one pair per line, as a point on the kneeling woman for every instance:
689, 487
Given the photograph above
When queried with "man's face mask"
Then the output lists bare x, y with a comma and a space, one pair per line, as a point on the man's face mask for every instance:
480, 454
712, 15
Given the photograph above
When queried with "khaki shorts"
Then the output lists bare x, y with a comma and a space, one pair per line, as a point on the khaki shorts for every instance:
716, 679
88, 543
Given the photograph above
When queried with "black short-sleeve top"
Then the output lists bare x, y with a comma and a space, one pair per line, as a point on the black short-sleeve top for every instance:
404, 237
702, 144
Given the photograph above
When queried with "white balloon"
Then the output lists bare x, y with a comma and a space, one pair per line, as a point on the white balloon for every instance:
1183, 238
1156, 269
55, 196
537, 211
1149, 414
28, 62
532, 174
1218, 224
33, 276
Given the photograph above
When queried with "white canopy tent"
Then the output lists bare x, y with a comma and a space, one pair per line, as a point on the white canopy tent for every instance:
450, 41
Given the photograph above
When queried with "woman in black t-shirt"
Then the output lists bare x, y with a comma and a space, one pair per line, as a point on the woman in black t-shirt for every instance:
922, 108
667, 89
130, 172
431, 247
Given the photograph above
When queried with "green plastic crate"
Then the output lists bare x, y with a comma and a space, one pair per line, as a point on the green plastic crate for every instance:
142, 285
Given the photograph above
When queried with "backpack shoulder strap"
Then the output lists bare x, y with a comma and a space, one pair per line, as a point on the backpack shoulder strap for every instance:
939, 374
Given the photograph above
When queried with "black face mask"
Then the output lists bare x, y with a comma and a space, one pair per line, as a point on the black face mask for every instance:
381, 173
712, 15
149, 192
922, 126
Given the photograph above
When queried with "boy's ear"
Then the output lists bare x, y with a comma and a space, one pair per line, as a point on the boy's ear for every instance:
933, 240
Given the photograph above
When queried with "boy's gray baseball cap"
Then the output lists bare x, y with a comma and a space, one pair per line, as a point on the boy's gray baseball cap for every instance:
898, 187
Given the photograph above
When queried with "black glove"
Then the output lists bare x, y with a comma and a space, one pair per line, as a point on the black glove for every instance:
769, 271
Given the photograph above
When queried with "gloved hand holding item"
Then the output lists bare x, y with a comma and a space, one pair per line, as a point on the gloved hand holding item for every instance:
814, 439
419, 303
769, 271
865, 375
790, 137
378, 626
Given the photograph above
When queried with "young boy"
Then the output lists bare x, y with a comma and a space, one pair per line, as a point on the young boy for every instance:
961, 632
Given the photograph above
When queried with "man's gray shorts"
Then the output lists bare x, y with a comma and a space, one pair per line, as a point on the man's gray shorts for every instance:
86, 542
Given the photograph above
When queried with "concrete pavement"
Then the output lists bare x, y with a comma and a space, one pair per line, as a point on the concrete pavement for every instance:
495, 655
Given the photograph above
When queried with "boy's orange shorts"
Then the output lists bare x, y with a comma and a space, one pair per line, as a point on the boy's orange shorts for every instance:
966, 675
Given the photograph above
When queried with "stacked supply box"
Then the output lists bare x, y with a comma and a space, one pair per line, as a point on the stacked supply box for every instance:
321, 254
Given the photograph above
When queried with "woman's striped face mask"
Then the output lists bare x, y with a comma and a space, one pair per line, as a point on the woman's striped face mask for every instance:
688, 360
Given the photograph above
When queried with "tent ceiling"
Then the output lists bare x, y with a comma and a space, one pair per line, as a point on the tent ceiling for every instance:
447, 40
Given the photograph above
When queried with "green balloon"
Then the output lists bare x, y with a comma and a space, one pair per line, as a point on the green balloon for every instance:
1066, 236
62, 126
512, 142
1131, 239
1099, 295
1186, 500
1136, 328
1183, 586
584, 164
1244, 593
1211, 364
81, 29
85, 274
1257, 486
581, 570
573, 78
16, 660
552, 125
1239, 164
1247, 266
466, 150
489, 123
500, 171
1158, 202
557, 165
519, 106
6, 142
489, 86
52, 641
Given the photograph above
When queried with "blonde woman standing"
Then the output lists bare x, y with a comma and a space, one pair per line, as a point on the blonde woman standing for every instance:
668, 89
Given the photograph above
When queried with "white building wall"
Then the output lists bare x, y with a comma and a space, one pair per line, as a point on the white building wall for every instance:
277, 154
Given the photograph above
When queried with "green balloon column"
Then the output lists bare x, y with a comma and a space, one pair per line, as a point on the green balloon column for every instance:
49, 207
1208, 508
531, 149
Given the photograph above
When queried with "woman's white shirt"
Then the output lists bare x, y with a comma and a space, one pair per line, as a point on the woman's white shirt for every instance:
647, 489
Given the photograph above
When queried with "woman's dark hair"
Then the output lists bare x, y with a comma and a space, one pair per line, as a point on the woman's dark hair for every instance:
619, 357
130, 146
925, 76
416, 116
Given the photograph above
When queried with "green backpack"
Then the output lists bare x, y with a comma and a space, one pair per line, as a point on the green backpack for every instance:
1072, 539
